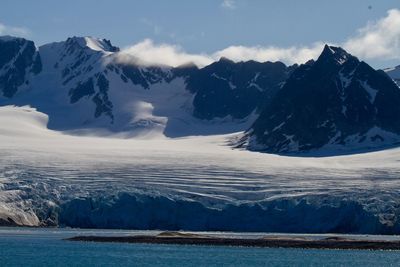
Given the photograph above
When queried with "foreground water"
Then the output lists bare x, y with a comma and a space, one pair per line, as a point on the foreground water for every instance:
46, 247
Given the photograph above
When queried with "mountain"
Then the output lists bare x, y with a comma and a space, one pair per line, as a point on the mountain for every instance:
335, 102
87, 84
394, 73
225, 88
19, 60
81, 85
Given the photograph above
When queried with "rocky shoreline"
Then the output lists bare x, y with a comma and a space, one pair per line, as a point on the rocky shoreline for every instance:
178, 238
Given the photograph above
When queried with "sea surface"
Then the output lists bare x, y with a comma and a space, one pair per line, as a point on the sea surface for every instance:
47, 247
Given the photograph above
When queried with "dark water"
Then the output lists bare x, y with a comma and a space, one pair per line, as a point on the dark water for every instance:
46, 247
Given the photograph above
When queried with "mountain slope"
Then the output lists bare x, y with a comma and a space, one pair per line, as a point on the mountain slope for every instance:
394, 73
334, 102
87, 85
236, 89
19, 60
83, 86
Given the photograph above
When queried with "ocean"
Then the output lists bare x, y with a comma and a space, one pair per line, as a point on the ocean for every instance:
47, 247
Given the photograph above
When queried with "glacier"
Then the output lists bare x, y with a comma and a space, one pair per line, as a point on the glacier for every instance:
196, 182
91, 141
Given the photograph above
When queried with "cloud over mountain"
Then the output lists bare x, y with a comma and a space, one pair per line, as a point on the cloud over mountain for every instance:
12, 30
383, 35
378, 39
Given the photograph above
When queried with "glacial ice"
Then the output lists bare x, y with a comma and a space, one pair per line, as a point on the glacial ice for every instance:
191, 183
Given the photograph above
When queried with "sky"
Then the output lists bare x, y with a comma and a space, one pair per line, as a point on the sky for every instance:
175, 31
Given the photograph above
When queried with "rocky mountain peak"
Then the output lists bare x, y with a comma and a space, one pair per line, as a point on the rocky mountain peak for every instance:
335, 102
95, 44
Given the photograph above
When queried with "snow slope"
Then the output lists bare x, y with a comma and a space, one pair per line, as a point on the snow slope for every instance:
193, 183
394, 73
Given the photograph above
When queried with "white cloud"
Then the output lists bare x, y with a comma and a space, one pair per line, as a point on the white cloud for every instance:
379, 39
11, 30
147, 53
288, 55
228, 4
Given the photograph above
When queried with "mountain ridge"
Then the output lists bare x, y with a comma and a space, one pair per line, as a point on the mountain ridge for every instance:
86, 84
336, 101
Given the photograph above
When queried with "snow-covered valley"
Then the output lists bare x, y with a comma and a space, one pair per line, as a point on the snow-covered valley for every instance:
193, 183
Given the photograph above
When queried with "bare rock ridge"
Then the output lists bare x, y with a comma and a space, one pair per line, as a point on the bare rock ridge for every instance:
335, 102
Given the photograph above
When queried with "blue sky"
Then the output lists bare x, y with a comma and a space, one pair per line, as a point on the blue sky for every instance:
198, 27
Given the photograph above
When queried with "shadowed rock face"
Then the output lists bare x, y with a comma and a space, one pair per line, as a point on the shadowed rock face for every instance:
334, 101
236, 89
18, 60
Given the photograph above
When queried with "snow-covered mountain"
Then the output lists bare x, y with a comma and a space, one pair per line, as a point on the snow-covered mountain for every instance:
82, 86
85, 84
336, 102
19, 61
